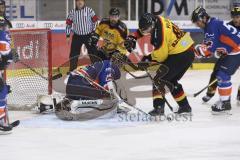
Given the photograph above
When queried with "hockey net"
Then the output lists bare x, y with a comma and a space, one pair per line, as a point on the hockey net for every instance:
31, 76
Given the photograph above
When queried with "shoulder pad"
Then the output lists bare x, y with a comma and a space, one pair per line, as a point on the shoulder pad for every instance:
105, 21
122, 28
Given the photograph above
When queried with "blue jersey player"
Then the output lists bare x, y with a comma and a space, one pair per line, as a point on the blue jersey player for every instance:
235, 22
5, 59
221, 37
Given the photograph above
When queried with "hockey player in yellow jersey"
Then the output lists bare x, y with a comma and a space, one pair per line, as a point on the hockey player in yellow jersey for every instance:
113, 32
173, 48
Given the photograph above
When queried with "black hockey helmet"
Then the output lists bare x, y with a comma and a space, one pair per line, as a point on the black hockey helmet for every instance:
114, 12
147, 21
235, 11
198, 14
2, 2
3, 22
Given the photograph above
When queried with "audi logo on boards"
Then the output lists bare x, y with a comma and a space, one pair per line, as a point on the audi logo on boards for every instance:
20, 25
48, 25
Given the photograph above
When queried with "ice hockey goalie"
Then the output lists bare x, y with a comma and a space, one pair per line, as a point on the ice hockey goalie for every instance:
90, 92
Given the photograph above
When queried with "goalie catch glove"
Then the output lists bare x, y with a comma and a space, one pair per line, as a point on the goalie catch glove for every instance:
201, 50
130, 43
93, 40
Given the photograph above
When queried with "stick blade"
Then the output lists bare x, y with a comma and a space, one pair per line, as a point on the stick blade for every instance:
57, 76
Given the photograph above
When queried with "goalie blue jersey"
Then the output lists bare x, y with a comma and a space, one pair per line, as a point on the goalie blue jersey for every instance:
100, 72
222, 35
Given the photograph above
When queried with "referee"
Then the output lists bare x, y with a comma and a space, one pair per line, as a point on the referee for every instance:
81, 21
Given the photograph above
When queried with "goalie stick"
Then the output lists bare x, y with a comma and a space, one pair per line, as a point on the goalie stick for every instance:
114, 93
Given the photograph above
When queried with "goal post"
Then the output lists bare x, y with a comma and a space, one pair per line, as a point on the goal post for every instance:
32, 75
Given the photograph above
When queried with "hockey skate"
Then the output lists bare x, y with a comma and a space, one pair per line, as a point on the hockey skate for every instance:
207, 98
2, 117
184, 110
238, 98
221, 107
157, 111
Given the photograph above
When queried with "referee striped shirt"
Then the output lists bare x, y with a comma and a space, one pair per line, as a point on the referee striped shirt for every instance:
81, 21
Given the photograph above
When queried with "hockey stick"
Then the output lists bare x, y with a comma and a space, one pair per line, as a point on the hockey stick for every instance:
149, 75
39, 74
137, 77
10, 126
168, 104
199, 92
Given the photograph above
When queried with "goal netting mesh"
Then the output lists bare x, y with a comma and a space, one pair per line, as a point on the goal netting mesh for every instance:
31, 76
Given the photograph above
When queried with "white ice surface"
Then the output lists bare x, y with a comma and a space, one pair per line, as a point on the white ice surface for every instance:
206, 137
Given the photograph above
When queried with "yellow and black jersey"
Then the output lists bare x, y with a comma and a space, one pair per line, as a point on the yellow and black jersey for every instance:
168, 39
113, 36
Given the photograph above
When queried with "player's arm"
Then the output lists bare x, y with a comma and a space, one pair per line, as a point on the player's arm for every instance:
206, 50
95, 36
121, 37
131, 40
230, 36
94, 18
69, 22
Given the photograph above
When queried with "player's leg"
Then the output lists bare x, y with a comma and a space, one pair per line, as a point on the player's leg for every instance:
238, 96
3, 105
75, 52
212, 89
228, 67
158, 103
177, 65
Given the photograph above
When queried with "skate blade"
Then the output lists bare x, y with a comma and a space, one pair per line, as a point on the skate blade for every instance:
221, 113
185, 114
5, 132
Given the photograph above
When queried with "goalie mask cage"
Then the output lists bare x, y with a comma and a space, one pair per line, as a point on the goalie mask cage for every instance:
32, 75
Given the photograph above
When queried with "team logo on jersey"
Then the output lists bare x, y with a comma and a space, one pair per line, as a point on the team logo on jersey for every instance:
208, 35
184, 43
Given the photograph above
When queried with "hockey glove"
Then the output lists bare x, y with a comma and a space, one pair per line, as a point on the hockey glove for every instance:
130, 43
221, 52
93, 40
202, 51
